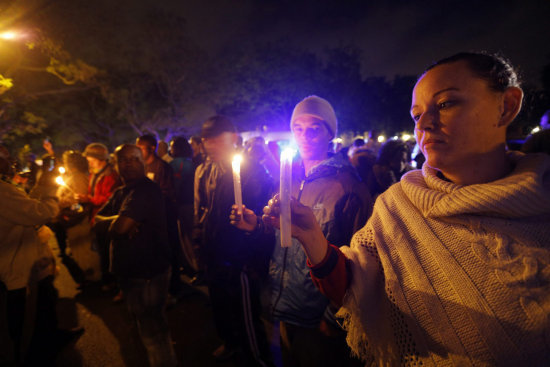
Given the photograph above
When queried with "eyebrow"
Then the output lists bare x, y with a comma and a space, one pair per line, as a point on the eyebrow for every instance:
438, 93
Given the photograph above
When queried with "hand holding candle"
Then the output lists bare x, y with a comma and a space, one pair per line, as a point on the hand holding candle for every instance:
59, 180
285, 189
236, 164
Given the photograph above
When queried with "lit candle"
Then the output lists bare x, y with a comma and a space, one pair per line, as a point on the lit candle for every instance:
285, 190
236, 164
59, 180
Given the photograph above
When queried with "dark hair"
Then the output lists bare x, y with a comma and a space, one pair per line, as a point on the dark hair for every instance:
497, 71
75, 161
358, 142
389, 149
216, 125
149, 139
181, 147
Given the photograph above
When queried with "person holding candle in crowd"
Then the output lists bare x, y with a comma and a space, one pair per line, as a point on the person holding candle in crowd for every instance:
102, 182
27, 269
453, 266
234, 263
329, 185
103, 177
75, 179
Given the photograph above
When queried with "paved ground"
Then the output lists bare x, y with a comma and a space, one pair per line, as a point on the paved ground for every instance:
111, 339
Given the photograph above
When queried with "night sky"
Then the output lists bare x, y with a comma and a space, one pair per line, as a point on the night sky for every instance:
395, 37
125, 38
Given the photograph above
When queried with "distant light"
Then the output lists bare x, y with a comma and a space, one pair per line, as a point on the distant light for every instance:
338, 140
62, 170
59, 180
381, 138
405, 137
395, 137
535, 130
8, 35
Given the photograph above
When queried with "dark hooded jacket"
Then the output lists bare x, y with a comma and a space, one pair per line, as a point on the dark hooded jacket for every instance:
220, 243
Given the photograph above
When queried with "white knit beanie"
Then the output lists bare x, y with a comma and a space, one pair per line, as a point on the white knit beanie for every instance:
319, 108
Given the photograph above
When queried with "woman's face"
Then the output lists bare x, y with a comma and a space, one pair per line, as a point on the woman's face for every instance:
457, 116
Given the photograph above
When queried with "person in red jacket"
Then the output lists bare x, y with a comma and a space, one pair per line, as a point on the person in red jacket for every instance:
103, 178
103, 181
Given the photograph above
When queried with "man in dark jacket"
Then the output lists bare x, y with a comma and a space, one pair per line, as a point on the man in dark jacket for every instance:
140, 252
160, 172
233, 263
330, 186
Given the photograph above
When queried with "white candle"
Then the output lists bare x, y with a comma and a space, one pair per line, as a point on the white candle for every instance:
236, 164
285, 191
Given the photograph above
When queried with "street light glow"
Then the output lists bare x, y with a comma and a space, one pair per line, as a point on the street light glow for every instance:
8, 35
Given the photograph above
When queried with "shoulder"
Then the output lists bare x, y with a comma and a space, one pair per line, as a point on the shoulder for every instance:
9, 190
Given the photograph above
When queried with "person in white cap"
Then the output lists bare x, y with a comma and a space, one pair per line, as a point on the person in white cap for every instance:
328, 184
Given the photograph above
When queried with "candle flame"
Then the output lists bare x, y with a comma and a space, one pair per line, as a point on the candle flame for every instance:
236, 164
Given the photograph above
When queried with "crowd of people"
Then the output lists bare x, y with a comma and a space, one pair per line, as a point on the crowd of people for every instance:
449, 267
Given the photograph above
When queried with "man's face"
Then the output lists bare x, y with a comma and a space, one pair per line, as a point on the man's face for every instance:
94, 164
130, 163
147, 150
220, 147
312, 136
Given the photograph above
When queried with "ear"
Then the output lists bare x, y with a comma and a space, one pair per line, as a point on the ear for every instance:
512, 99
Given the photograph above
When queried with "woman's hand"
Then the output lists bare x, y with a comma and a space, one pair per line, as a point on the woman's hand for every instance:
304, 227
247, 222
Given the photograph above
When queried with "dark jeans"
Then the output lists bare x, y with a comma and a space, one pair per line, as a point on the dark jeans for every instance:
236, 307
60, 231
103, 242
43, 345
309, 347
146, 301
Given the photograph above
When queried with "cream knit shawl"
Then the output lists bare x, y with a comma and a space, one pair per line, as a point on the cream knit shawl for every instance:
448, 275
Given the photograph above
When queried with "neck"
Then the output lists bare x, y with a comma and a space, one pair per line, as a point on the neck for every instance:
310, 163
150, 159
480, 169
100, 167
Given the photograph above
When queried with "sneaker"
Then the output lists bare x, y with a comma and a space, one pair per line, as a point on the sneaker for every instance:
223, 353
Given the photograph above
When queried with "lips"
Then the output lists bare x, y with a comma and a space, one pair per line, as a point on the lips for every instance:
430, 142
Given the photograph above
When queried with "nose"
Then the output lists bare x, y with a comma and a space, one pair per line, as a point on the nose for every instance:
310, 134
427, 121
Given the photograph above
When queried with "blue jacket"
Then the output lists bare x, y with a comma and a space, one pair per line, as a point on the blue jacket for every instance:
342, 205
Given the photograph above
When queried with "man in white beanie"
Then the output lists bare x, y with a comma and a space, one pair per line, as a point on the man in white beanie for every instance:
330, 186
